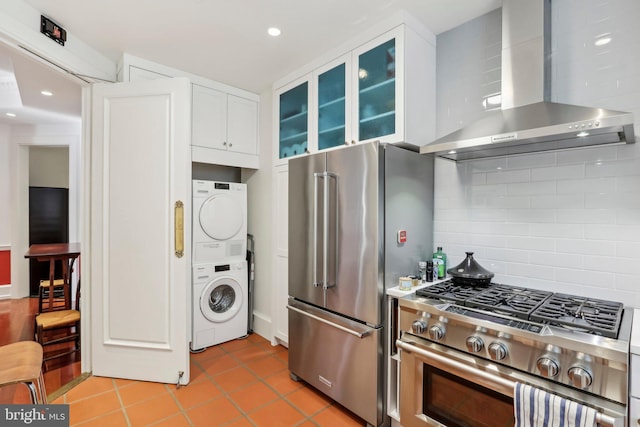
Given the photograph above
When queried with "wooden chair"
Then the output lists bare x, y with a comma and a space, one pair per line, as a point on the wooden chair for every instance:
21, 362
58, 327
56, 300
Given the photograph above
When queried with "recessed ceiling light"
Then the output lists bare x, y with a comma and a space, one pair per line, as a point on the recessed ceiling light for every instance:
273, 31
603, 39
47, 93
11, 115
452, 152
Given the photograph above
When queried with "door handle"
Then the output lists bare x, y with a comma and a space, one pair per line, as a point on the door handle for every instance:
179, 228
359, 334
315, 281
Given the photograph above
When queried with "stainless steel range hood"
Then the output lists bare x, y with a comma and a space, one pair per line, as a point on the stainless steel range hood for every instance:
528, 122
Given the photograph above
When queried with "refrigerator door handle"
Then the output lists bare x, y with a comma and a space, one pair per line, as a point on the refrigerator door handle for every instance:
328, 257
359, 334
316, 177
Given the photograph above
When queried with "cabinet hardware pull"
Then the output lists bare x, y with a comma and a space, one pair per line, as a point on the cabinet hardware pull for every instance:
179, 228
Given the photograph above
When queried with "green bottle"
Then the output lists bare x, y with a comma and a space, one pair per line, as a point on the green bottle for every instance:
440, 258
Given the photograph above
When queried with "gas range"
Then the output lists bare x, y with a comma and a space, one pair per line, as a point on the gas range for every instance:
576, 342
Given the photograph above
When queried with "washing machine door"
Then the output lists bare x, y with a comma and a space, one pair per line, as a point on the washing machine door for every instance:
221, 299
221, 217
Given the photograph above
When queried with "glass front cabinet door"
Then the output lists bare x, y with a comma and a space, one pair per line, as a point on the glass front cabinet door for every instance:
378, 87
293, 119
333, 104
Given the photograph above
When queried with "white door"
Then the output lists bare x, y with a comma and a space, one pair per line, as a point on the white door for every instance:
140, 283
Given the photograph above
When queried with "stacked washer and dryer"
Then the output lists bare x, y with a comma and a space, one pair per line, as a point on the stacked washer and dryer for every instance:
220, 288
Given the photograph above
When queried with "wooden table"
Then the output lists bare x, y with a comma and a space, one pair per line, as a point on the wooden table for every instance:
52, 252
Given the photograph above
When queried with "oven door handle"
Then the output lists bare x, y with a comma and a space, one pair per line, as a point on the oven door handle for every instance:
488, 380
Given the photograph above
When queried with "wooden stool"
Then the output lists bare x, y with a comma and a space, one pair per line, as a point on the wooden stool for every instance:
21, 362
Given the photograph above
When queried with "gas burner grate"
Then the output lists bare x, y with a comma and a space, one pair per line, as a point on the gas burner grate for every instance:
448, 291
578, 313
510, 300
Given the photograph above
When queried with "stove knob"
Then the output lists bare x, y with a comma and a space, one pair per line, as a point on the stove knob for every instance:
547, 367
419, 326
580, 377
474, 344
436, 332
497, 351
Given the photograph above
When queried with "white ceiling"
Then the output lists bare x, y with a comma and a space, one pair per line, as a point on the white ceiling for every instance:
223, 40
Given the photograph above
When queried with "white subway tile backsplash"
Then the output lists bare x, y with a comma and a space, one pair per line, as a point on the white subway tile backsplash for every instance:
592, 185
565, 221
565, 201
499, 228
531, 243
631, 151
486, 240
530, 188
624, 266
583, 216
629, 184
628, 283
507, 202
486, 165
584, 247
614, 168
506, 254
554, 259
531, 160
528, 270
628, 250
488, 190
619, 200
600, 232
478, 178
572, 231
508, 176
586, 155
585, 278
558, 173
497, 215
531, 215
450, 214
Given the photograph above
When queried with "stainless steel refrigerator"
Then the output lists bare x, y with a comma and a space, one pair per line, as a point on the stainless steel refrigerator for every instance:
349, 211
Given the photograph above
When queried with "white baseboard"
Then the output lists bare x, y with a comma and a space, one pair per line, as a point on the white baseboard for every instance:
262, 325
5, 291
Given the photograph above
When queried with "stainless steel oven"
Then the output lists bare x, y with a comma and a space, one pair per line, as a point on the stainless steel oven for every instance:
460, 362
442, 387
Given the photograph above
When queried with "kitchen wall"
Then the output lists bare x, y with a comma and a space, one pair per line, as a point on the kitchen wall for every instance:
49, 167
259, 220
564, 221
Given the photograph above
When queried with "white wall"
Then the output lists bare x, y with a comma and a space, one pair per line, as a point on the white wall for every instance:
49, 167
259, 220
5, 167
564, 221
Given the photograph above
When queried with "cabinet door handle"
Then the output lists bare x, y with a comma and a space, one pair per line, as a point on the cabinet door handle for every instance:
179, 228
224, 143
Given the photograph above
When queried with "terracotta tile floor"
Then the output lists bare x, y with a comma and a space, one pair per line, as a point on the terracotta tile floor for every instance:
239, 383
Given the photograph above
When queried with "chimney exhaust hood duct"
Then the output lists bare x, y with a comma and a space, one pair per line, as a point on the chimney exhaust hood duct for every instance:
528, 122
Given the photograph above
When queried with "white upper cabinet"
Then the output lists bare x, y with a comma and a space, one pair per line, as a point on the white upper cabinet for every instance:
293, 122
383, 89
224, 118
332, 113
224, 122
